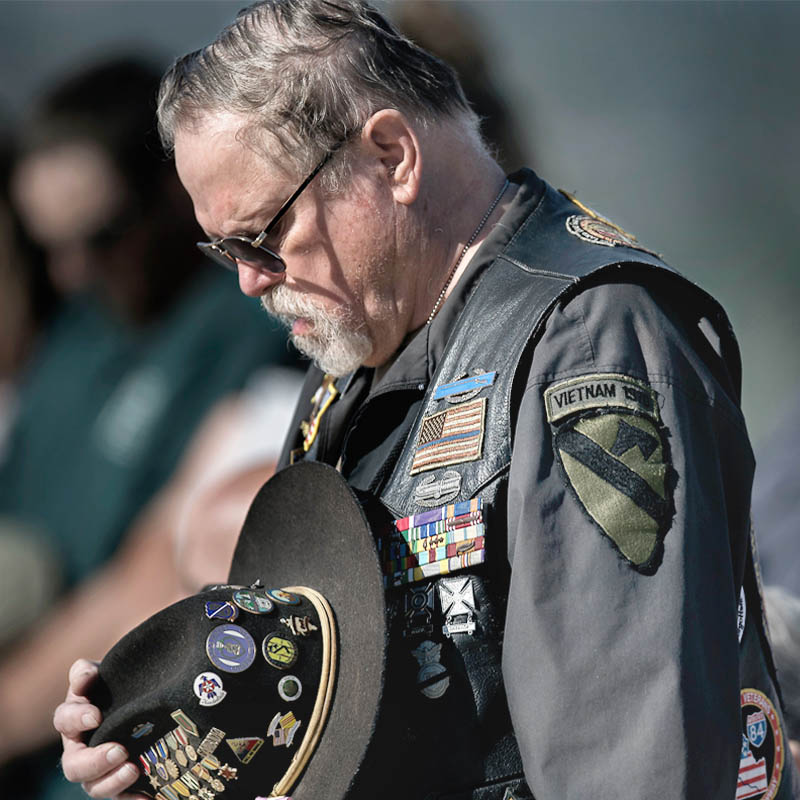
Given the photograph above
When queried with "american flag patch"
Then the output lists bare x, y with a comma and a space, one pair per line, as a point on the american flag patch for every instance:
450, 437
752, 774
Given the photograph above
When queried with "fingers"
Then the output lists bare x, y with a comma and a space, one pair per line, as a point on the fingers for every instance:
113, 783
81, 676
72, 718
82, 764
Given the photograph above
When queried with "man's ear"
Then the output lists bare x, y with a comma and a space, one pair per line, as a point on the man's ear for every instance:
389, 137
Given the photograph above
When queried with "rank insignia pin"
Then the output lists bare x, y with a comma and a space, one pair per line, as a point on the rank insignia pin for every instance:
458, 605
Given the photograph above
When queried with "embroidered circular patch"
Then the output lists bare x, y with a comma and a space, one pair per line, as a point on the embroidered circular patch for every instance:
598, 231
762, 756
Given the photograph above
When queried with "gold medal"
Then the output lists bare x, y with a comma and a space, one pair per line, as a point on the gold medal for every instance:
172, 768
180, 757
191, 752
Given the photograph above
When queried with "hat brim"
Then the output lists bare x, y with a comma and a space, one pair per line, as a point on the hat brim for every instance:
306, 527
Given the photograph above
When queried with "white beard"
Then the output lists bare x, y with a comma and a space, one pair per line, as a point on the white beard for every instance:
337, 344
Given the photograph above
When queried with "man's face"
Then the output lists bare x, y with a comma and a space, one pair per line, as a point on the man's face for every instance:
338, 294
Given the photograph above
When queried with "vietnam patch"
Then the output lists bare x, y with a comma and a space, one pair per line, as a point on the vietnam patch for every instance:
614, 455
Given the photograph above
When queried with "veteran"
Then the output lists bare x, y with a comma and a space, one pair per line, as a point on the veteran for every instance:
546, 414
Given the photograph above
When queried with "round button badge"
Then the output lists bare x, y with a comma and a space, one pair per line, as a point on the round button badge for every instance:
230, 648
279, 652
253, 600
286, 598
290, 688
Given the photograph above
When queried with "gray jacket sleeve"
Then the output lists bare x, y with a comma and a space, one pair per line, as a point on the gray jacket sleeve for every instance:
623, 679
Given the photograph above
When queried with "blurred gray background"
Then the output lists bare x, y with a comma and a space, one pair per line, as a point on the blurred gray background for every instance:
678, 120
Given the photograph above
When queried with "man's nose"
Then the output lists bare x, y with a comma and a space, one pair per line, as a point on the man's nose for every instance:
254, 282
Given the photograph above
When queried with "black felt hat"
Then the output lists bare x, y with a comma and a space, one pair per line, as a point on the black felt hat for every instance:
271, 684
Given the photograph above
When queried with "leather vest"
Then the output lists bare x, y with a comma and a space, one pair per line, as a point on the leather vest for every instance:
445, 730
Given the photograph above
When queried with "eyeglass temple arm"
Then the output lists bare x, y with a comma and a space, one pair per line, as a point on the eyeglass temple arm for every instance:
285, 207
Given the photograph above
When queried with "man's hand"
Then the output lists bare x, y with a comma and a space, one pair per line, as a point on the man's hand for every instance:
101, 770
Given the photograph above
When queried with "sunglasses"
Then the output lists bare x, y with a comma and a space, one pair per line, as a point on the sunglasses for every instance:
229, 250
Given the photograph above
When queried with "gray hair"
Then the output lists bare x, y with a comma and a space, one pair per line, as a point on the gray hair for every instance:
783, 614
309, 74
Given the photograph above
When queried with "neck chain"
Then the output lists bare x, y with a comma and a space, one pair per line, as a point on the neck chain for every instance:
464, 252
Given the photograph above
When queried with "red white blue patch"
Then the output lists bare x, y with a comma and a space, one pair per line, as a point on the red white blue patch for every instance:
763, 749
453, 436
208, 689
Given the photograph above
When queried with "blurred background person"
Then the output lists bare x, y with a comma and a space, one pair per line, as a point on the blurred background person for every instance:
145, 341
445, 30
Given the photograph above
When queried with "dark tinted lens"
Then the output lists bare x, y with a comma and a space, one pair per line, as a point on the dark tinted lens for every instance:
258, 257
216, 255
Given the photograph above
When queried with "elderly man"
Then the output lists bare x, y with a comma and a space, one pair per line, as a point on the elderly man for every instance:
526, 390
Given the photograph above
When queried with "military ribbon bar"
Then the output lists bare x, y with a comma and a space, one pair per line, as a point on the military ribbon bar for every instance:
434, 543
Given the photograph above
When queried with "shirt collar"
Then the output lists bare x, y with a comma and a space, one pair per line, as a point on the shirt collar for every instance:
417, 360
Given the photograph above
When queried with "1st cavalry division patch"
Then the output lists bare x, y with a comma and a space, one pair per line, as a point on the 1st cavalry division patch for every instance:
609, 439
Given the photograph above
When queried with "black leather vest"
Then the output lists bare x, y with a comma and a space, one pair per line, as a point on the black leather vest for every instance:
459, 743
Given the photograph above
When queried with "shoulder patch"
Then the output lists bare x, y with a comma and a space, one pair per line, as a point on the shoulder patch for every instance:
600, 391
616, 461
593, 228
763, 749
